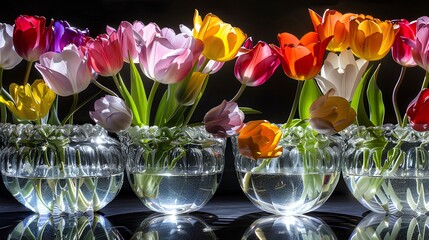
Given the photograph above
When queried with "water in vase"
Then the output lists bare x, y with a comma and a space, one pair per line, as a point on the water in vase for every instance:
400, 194
287, 194
174, 193
64, 194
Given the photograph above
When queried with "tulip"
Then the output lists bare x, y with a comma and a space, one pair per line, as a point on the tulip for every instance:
111, 113
418, 111
29, 102
224, 120
105, 54
342, 73
211, 66
331, 114
335, 24
64, 34
221, 40
420, 44
259, 139
188, 91
169, 57
256, 66
30, 36
301, 58
126, 32
8, 56
67, 72
370, 38
401, 52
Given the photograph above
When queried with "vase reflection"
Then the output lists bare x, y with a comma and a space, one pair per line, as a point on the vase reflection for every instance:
159, 226
69, 227
380, 226
288, 227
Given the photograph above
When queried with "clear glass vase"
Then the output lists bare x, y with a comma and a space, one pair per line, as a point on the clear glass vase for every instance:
298, 181
173, 170
387, 169
58, 170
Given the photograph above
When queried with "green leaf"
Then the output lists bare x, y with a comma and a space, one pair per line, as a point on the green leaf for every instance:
167, 106
53, 113
375, 100
357, 101
130, 102
138, 92
248, 110
310, 92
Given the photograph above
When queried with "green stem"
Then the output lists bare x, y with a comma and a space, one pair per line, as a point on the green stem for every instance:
194, 106
3, 110
395, 96
295, 103
238, 94
426, 81
27, 71
118, 85
206, 61
72, 109
150, 100
104, 88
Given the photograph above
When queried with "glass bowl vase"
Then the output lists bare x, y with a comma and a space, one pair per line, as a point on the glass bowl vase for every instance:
298, 181
173, 170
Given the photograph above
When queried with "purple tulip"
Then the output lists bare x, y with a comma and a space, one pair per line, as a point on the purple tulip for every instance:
111, 113
64, 34
224, 120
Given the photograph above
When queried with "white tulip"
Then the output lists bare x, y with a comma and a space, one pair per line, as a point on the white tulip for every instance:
8, 57
341, 72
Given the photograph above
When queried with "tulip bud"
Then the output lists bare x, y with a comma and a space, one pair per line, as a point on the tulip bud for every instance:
418, 110
111, 113
224, 120
189, 89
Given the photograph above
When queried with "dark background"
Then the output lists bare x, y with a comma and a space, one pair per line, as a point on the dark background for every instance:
262, 20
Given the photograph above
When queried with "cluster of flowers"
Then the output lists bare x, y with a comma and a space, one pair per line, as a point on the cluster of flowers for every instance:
69, 60
353, 41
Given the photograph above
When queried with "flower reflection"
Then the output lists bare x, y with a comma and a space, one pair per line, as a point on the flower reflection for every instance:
68, 227
380, 226
288, 227
158, 226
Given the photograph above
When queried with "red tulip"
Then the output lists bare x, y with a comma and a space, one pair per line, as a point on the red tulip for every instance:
418, 111
256, 66
105, 54
30, 36
401, 52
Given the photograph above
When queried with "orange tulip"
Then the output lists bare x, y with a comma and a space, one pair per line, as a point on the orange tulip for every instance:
371, 38
335, 24
331, 114
259, 139
301, 58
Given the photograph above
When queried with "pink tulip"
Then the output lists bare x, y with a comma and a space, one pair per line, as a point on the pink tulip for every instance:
126, 32
401, 52
105, 54
258, 65
224, 120
8, 56
168, 58
420, 44
67, 72
111, 113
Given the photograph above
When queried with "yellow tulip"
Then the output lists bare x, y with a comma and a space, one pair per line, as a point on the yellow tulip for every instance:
30, 102
189, 89
221, 40
370, 38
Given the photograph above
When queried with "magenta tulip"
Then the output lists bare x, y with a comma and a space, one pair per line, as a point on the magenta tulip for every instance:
256, 66
418, 111
401, 52
67, 72
224, 120
105, 54
111, 113
420, 44
8, 56
168, 58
